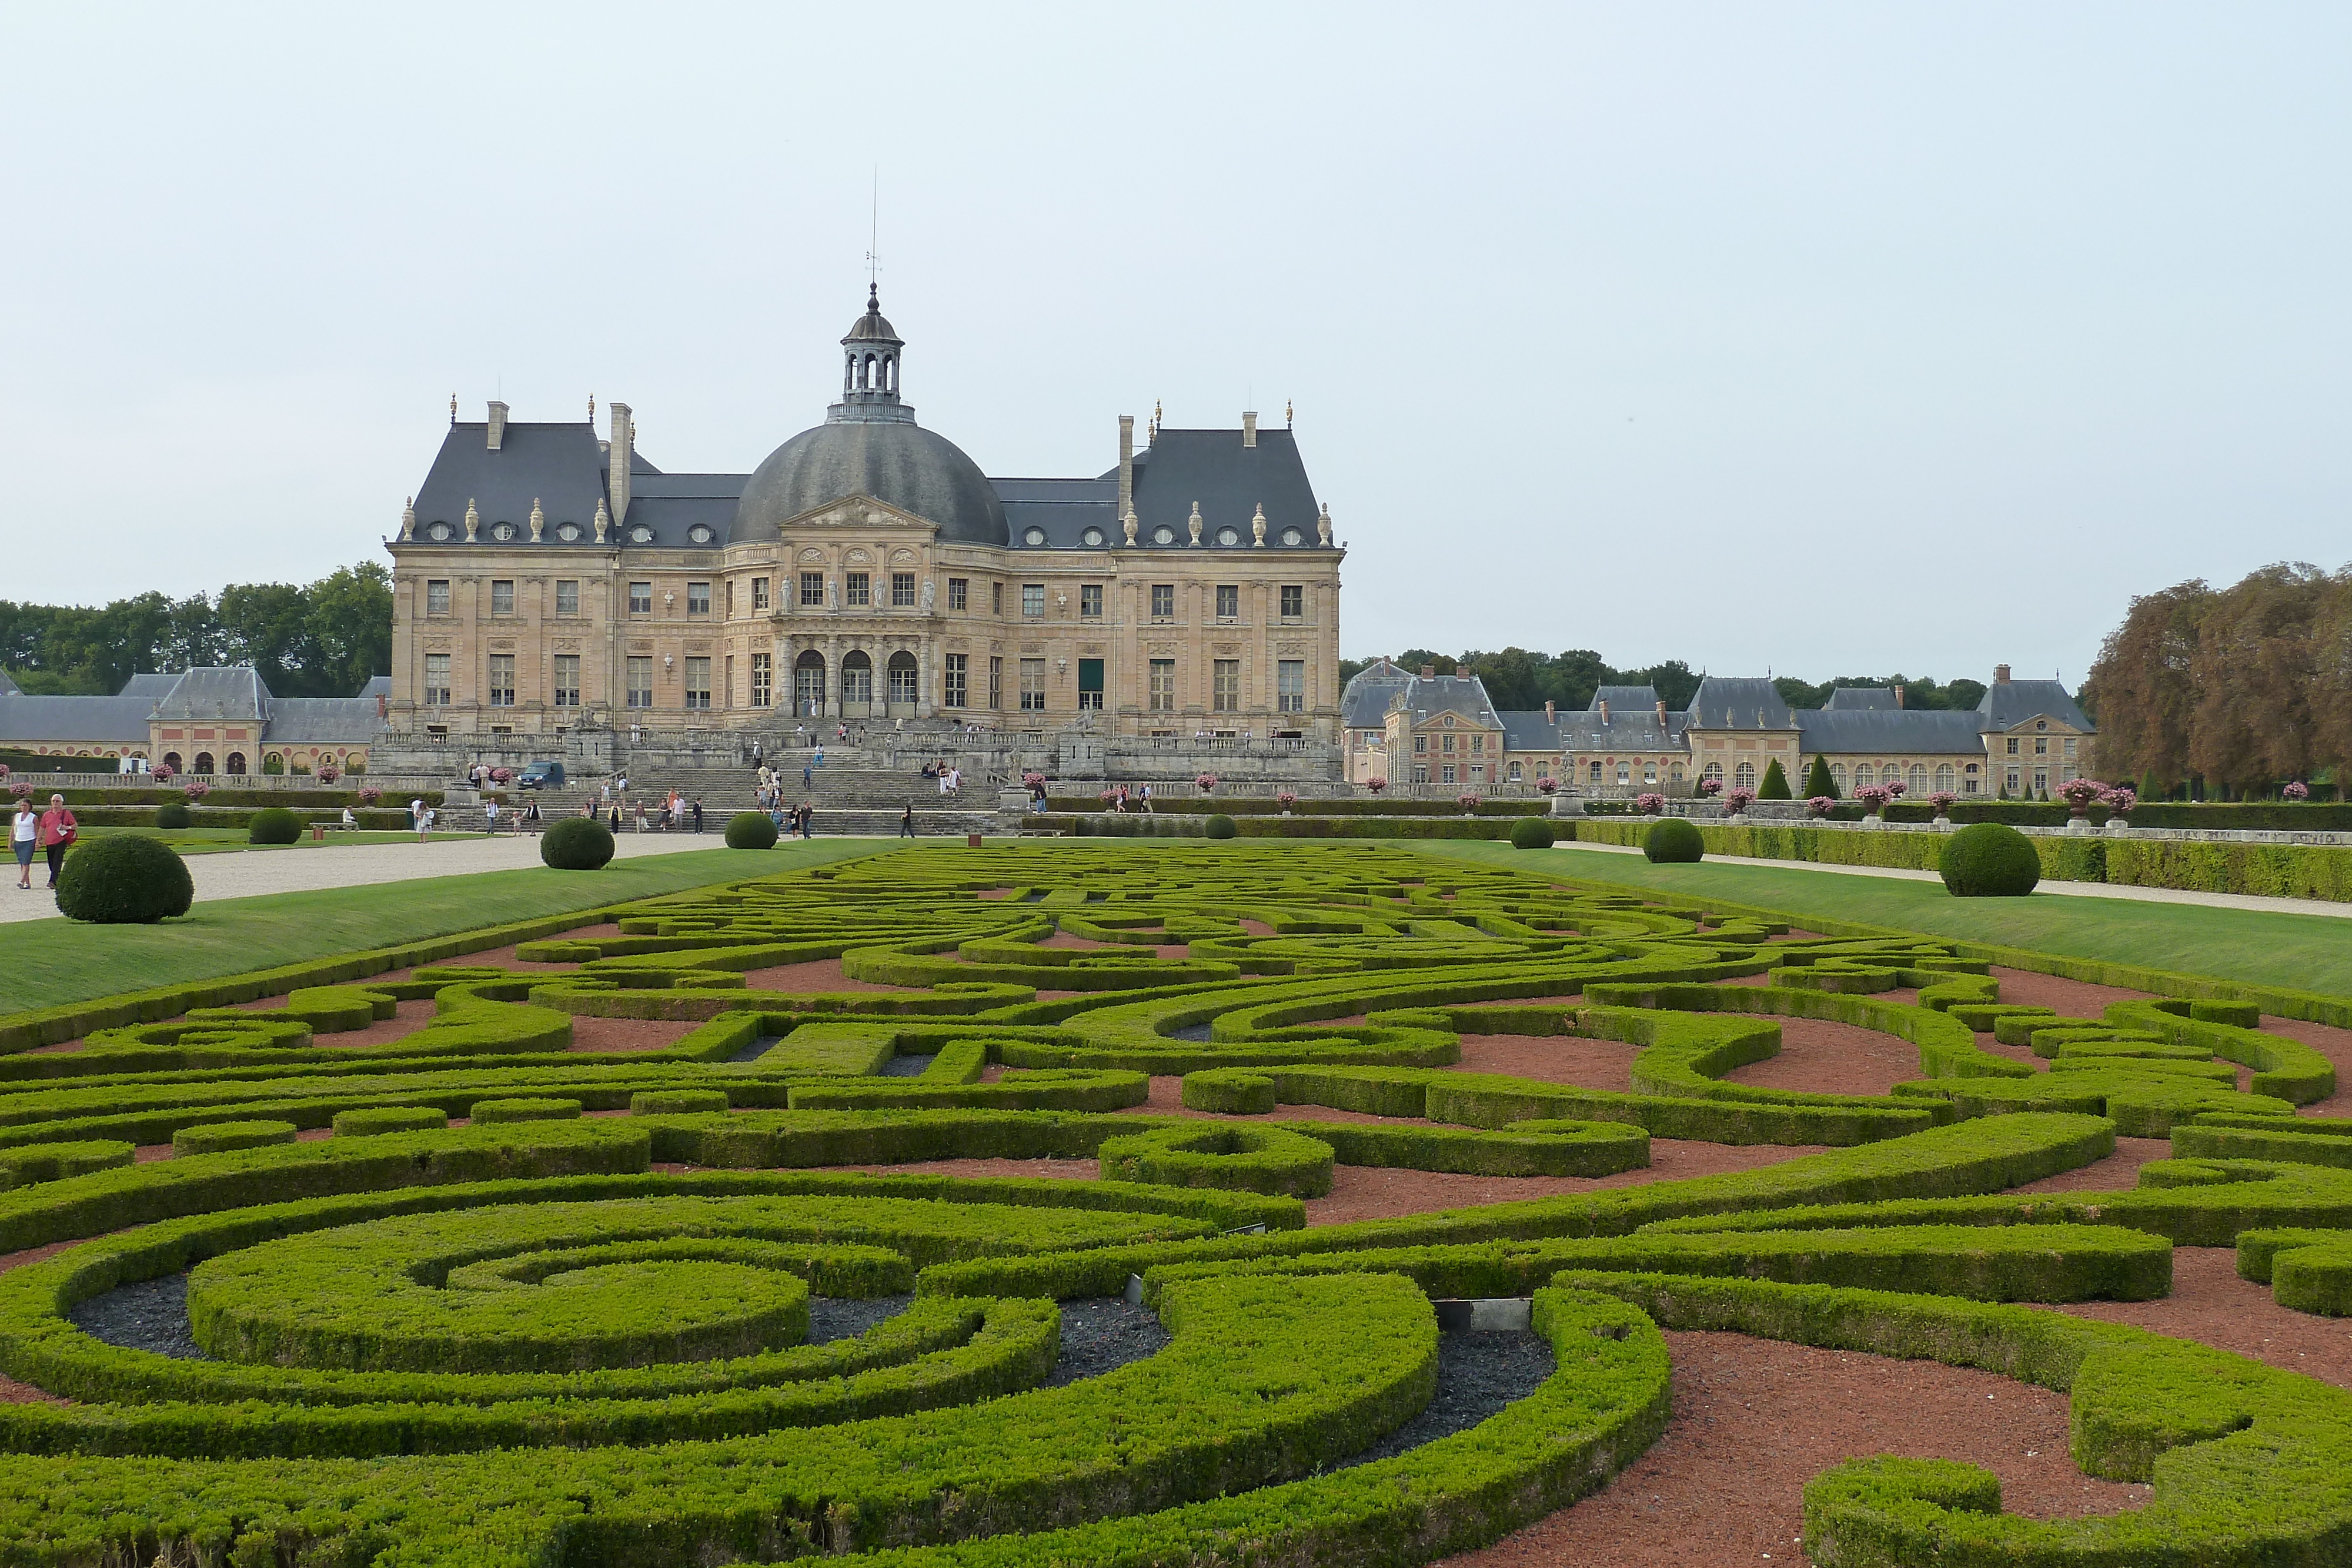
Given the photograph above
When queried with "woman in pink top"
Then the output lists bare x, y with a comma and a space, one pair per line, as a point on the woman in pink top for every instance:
57, 830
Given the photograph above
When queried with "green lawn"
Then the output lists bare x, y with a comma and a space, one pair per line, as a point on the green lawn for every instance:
2308, 952
220, 840
45, 962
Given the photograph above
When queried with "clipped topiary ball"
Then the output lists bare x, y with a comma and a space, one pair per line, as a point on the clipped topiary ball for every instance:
1532, 834
273, 825
1672, 840
1220, 826
576, 843
126, 880
1990, 860
175, 815
750, 830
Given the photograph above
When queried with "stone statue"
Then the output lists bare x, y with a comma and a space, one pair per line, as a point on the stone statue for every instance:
603, 520
1129, 524
1257, 527
473, 521
1323, 525
831, 593
408, 522
930, 595
538, 519
1193, 522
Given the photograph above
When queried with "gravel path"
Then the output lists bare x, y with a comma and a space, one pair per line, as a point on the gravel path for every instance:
1477, 1375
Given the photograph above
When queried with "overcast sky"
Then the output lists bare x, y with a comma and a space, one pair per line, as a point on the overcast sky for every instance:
1826, 339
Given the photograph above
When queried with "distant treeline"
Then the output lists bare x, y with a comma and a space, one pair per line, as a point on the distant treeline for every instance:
1516, 678
2238, 690
322, 640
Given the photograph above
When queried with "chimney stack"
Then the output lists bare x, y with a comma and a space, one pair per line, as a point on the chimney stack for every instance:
1249, 428
1604, 710
623, 444
1662, 713
1429, 671
1549, 715
1898, 696
497, 424
2000, 674
1125, 465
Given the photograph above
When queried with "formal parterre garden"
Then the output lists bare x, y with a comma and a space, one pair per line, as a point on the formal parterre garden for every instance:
990, 1206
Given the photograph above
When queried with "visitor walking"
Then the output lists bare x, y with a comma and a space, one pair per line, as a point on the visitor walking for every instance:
808, 774
697, 813
907, 824
24, 836
641, 816
1145, 796
416, 812
530, 816
614, 825
424, 825
490, 810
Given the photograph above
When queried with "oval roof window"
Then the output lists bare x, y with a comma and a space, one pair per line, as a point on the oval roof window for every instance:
440, 531
1092, 535
700, 533
1033, 537
567, 532
1163, 535
1291, 536
1229, 536
641, 535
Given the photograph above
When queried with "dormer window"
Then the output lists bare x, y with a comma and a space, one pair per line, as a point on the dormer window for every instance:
1229, 536
700, 534
439, 533
1033, 537
503, 531
641, 535
1163, 535
1292, 536
567, 532
1093, 537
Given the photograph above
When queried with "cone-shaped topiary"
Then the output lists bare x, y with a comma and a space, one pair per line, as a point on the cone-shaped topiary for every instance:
1990, 860
2149, 789
1532, 834
1776, 783
175, 815
126, 880
1220, 826
1672, 840
750, 830
576, 843
1817, 781
273, 825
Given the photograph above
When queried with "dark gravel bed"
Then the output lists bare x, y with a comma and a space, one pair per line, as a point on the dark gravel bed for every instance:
1100, 1336
1477, 1375
757, 1048
150, 1315
907, 1066
832, 1318
1192, 1032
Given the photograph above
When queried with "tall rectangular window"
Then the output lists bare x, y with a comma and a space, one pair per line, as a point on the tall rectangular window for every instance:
812, 590
698, 680
730, 687
1163, 686
1294, 601
1090, 686
1229, 601
1032, 685
996, 599
436, 602
502, 687
641, 599
731, 602
952, 692
1290, 685
641, 680
437, 680
959, 592
1163, 601
1090, 600
759, 593
567, 680
697, 599
856, 589
902, 591
567, 596
502, 596
1033, 599
764, 676
995, 681
1225, 688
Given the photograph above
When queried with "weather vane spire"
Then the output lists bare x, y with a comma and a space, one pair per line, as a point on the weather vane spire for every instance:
873, 237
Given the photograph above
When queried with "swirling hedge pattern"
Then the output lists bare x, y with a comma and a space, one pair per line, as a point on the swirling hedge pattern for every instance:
475, 1294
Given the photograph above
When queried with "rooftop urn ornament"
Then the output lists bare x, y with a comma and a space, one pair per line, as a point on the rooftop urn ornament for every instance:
538, 520
1155, 420
1257, 527
1323, 525
1127, 523
603, 520
408, 521
1287, 417
473, 521
591, 408
1193, 522
453, 408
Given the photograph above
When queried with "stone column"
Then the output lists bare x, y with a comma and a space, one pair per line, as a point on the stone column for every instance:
831, 706
923, 662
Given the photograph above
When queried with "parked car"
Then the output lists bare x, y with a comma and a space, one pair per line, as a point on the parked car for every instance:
541, 776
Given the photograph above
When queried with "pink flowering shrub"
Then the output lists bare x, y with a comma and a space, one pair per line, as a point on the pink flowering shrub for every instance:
1468, 801
1739, 800
1107, 796
1032, 780
1205, 782
2120, 798
22, 789
1709, 787
4, 771
2297, 790
2080, 793
498, 775
370, 796
1376, 783
1874, 797
1285, 800
1820, 805
328, 773
197, 790
1650, 805
1894, 788
1547, 784
163, 770
1942, 800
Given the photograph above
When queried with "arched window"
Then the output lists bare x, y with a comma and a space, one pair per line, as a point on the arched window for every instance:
1837, 777
1625, 773
204, 762
1864, 775
1745, 779
1515, 772
237, 763
856, 682
1649, 773
1917, 782
1712, 771
172, 760
902, 674
1596, 773
808, 684
1944, 777
1675, 773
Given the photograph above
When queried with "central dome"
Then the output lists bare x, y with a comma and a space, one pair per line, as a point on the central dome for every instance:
899, 463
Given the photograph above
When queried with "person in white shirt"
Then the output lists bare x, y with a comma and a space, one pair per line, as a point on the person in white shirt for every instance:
350, 822
24, 834
492, 811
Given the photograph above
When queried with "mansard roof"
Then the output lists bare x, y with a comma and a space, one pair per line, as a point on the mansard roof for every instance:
1364, 704
559, 467
1845, 698
1623, 699
1228, 480
1839, 731
2008, 704
1428, 697
1725, 702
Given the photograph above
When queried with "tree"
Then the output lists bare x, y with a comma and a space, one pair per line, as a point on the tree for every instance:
2253, 724
1817, 779
2144, 686
1775, 786
348, 629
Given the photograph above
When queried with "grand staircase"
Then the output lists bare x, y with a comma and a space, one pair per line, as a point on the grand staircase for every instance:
850, 793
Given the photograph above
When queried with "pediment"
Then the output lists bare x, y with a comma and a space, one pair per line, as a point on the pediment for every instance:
856, 511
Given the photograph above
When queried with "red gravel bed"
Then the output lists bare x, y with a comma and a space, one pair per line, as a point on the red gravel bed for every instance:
1755, 1419
2211, 1305
2119, 1171
1820, 1056
628, 1034
1564, 1059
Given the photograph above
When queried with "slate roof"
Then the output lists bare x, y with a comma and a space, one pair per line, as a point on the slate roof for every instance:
672, 505
346, 720
1624, 699
1848, 699
231, 694
1229, 480
559, 465
51, 721
1724, 702
1430, 695
375, 686
1844, 731
154, 686
1364, 704
191, 696
1064, 508
8, 688
2009, 703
